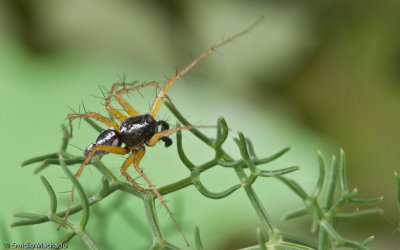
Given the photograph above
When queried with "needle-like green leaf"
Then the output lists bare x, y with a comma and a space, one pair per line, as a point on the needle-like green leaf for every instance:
321, 177
342, 169
223, 134
332, 184
39, 158
53, 199
199, 245
181, 152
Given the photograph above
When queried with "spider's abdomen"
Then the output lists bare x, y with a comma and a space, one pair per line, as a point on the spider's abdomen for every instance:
107, 137
137, 130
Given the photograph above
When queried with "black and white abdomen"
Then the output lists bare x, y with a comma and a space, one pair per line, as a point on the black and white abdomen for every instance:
137, 130
107, 137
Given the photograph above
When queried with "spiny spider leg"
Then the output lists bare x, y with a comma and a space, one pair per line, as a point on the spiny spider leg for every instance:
138, 157
115, 113
124, 104
125, 166
107, 148
157, 102
121, 117
100, 118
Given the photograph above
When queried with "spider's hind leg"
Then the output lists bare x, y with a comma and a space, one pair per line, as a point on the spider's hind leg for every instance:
125, 166
104, 149
137, 157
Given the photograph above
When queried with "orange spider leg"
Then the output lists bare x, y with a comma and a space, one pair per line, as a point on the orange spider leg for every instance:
138, 155
125, 166
124, 104
121, 117
157, 102
100, 118
106, 148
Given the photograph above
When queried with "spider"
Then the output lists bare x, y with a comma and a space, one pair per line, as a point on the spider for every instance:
136, 131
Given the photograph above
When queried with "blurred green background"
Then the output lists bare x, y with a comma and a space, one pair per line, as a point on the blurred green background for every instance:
313, 75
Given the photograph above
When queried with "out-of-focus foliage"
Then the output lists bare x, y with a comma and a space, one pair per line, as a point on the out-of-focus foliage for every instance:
313, 72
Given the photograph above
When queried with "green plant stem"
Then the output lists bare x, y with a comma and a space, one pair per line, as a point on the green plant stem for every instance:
261, 240
255, 201
151, 215
77, 230
154, 226
170, 188
40, 218
323, 239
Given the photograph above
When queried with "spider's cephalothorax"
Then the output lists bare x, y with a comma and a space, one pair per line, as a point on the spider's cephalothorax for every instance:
133, 132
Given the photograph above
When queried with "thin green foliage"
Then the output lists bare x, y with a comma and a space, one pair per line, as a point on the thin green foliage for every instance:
268, 235
199, 244
324, 213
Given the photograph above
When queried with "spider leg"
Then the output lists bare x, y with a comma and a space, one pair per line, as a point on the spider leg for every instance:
125, 166
157, 101
124, 104
106, 148
100, 118
138, 155
121, 117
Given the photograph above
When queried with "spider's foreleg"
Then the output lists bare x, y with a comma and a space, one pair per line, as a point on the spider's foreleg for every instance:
157, 102
108, 122
124, 104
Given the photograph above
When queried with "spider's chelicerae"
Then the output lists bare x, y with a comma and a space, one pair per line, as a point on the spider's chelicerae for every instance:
136, 131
